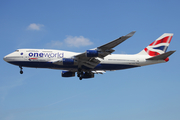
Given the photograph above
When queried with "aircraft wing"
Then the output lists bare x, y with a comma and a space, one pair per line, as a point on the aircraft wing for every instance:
102, 51
116, 42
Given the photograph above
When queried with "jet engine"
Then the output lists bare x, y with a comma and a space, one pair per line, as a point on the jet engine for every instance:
91, 53
67, 74
87, 75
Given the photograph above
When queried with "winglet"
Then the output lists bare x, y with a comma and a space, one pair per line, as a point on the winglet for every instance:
131, 34
162, 56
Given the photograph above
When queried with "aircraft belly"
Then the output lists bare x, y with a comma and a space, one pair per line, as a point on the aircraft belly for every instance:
113, 66
54, 66
41, 65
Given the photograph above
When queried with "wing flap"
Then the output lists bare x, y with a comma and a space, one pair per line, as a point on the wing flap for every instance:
90, 64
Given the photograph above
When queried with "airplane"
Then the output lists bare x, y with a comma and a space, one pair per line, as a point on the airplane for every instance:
92, 61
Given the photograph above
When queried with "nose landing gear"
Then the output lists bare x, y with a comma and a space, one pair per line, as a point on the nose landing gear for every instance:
21, 72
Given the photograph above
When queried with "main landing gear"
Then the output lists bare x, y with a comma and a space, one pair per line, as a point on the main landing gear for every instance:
21, 72
80, 73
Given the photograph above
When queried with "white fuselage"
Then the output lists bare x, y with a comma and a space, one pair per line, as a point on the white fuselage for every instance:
44, 58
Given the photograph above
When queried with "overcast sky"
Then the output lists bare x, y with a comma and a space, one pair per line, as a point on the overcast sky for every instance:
145, 93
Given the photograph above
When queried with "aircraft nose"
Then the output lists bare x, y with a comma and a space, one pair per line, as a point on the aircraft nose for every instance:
5, 58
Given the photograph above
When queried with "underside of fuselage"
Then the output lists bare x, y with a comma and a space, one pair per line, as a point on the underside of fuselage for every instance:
71, 67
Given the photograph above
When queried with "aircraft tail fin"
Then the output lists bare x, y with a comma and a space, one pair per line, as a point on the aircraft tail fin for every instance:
158, 47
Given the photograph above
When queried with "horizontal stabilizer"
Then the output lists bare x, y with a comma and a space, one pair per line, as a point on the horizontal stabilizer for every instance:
161, 56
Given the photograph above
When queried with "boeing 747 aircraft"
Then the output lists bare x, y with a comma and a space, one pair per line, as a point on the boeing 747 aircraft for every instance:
93, 61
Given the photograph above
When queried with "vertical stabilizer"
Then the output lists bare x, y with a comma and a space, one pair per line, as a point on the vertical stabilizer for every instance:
159, 46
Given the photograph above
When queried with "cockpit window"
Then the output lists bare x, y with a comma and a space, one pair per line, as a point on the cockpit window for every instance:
16, 50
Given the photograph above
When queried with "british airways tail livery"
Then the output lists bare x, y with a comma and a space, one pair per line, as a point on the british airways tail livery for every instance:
93, 61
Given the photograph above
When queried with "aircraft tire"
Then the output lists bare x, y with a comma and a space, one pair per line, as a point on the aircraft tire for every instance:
21, 72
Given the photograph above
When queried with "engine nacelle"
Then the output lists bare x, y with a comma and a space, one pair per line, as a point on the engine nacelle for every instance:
67, 74
88, 75
91, 53
68, 61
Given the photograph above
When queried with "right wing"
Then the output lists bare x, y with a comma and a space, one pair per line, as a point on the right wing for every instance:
103, 51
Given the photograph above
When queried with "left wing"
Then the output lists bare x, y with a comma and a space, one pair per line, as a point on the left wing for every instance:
89, 58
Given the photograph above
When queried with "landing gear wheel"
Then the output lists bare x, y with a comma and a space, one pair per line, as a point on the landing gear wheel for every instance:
80, 73
21, 72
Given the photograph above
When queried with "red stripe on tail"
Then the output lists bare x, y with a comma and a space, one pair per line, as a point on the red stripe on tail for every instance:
151, 53
163, 40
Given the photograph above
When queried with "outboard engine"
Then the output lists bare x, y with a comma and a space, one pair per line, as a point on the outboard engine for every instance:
91, 53
87, 75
